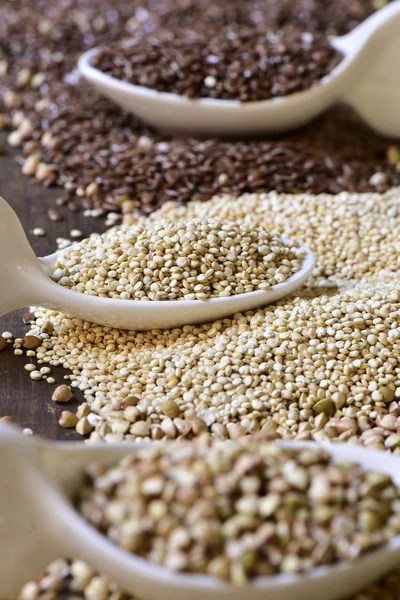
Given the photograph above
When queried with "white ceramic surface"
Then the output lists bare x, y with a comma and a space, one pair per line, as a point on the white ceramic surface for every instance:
38, 524
368, 78
25, 282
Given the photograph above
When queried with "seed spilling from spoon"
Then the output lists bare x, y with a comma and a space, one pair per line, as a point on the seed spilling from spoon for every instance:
185, 260
243, 509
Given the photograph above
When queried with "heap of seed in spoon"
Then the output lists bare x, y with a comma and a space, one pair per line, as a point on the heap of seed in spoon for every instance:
242, 509
184, 260
234, 64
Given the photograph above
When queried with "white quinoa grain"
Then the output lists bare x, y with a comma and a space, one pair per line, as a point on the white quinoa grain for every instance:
38, 232
210, 81
75, 233
36, 375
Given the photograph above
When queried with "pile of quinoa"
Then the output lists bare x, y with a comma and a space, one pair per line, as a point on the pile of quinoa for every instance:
322, 364
185, 260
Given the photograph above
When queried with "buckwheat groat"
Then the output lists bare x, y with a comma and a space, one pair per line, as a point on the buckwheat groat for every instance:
239, 510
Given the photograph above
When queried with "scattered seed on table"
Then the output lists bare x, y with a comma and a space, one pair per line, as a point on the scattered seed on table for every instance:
54, 215
27, 318
31, 342
38, 232
83, 427
36, 375
68, 419
62, 393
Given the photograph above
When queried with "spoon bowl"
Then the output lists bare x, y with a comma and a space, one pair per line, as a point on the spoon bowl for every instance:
38, 524
174, 114
367, 79
26, 282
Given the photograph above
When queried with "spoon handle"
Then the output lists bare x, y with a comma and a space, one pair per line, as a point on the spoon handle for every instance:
21, 275
27, 527
37, 522
376, 97
24, 279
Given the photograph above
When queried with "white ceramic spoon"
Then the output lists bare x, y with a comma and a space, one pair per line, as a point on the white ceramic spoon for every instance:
38, 524
368, 78
25, 281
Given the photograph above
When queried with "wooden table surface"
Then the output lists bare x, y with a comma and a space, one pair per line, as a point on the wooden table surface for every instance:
27, 401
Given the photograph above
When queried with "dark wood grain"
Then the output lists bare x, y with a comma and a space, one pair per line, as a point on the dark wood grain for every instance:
27, 401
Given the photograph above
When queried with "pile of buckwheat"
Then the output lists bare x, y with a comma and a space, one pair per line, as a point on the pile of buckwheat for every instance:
184, 260
239, 510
